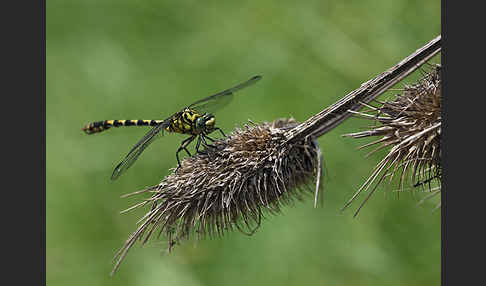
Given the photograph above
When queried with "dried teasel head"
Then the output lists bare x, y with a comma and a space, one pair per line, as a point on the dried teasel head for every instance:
251, 172
410, 126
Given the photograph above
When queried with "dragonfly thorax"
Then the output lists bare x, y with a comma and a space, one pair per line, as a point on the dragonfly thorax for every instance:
190, 121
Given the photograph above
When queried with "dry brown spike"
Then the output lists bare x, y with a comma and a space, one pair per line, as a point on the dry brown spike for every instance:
255, 170
410, 126
250, 173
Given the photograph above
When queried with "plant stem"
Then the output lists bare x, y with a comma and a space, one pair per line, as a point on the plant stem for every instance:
332, 116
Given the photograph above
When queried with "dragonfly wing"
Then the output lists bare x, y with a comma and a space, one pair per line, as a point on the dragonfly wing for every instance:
220, 99
216, 103
138, 149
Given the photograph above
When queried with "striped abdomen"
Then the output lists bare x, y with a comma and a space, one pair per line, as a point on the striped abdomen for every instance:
99, 126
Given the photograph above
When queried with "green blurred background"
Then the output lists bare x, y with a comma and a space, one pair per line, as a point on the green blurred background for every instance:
147, 59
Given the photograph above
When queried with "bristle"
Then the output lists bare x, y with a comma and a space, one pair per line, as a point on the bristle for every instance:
410, 124
249, 173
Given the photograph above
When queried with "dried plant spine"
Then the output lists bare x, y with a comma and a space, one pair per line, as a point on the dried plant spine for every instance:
249, 173
166, 213
410, 126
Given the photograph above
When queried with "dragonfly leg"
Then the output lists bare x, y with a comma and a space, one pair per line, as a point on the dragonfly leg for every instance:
184, 147
217, 128
210, 139
199, 140
205, 143
198, 144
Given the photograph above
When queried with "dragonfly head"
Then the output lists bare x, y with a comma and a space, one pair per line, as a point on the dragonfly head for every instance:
206, 122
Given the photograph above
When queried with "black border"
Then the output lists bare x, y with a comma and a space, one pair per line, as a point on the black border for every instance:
462, 143
42, 69
23, 105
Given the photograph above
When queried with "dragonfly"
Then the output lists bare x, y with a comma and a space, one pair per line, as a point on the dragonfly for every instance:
196, 120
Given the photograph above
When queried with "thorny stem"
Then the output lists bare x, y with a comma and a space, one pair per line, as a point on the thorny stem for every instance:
332, 116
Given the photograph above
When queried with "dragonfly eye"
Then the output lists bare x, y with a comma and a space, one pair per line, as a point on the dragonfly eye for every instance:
206, 121
200, 122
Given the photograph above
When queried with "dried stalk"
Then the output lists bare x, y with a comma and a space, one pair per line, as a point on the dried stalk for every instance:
256, 169
333, 115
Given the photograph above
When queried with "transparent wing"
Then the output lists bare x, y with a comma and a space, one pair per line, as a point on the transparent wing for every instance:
138, 149
220, 99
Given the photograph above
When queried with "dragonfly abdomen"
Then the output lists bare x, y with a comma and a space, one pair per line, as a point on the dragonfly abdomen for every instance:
99, 126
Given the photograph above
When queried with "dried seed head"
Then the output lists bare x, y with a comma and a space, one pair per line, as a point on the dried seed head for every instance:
410, 126
250, 172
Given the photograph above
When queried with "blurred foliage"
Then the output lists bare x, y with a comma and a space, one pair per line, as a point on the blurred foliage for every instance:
146, 59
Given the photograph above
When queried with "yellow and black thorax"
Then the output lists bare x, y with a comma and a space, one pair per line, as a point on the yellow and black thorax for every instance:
190, 121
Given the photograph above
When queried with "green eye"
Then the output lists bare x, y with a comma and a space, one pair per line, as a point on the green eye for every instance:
200, 122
